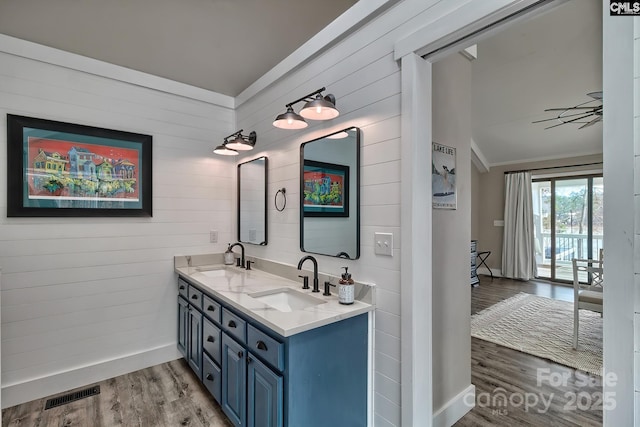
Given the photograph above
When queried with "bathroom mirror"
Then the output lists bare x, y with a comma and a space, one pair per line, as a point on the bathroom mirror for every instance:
330, 199
252, 201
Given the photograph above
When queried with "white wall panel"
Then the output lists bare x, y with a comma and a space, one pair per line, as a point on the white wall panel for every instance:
366, 83
361, 73
636, 192
78, 292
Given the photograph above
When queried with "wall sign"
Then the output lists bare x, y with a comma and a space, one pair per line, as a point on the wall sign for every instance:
443, 177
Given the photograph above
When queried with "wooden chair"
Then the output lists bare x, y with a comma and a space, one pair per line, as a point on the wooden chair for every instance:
586, 296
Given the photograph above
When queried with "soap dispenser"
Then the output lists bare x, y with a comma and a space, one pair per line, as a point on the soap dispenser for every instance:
346, 288
229, 256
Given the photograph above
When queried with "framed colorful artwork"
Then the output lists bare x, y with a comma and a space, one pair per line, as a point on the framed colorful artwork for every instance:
326, 189
70, 170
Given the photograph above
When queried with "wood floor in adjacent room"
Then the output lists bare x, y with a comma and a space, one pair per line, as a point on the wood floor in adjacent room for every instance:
506, 380
167, 395
170, 394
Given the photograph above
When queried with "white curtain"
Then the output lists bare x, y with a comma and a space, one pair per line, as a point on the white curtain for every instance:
518, 248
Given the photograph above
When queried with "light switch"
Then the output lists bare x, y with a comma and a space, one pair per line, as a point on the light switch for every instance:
383, 243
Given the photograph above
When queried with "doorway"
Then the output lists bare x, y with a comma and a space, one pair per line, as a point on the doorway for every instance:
618, 149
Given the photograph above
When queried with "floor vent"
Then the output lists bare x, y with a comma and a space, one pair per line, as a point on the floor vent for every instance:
71, 397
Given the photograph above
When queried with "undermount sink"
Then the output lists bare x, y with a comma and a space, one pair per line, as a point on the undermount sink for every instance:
286, 299
211, 271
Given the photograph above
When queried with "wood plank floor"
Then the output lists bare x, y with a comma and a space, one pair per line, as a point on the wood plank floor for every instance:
170, 394
166, 395
517, 389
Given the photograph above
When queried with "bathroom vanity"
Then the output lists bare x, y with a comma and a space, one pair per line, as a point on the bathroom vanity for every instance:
271, 353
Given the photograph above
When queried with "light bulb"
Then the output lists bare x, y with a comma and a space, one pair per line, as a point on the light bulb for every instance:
319, 109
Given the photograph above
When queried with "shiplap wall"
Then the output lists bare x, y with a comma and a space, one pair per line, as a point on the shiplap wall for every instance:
636, 171
361, 72
79, 293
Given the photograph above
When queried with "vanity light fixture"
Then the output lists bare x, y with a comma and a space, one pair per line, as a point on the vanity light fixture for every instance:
242, 142
224, 151
239, 142
317, 107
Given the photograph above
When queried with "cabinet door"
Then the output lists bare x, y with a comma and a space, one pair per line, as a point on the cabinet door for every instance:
183, 322
264, 395
211, 377
234, 381
194, 347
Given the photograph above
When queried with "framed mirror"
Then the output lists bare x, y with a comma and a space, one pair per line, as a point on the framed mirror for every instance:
252, 201
330, 196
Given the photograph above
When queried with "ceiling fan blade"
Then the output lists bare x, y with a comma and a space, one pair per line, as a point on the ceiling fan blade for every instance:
584, 116
557, 118
592, 122
572, 108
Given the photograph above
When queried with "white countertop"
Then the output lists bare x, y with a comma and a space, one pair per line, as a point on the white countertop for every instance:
234, 285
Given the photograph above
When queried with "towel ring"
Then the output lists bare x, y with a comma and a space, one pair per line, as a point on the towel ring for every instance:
284, 196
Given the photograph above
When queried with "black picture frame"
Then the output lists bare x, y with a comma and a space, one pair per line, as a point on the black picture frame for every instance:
336, 176
59, 169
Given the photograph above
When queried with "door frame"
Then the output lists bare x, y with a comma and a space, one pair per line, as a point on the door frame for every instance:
436, 40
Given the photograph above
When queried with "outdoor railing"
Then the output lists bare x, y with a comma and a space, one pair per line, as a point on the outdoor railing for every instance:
569, 246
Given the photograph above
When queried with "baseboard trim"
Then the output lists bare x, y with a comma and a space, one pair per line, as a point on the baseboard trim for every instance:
26, 391
497, 272
456, 408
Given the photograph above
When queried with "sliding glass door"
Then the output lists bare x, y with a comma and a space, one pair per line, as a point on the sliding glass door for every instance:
567, 222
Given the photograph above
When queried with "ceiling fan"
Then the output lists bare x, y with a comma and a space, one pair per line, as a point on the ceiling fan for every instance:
587, 113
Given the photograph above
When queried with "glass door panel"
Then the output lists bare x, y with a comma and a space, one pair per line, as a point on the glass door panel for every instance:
567, 222
542, 222
571, 225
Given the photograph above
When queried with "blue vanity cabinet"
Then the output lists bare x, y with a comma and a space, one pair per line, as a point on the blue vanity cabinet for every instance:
316, 378
183, 326
212, 377
194, 348
264, 395
190, 325
234, 381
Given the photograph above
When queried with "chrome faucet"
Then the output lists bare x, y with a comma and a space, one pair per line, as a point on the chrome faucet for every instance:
316, 287
188, 260
242, 253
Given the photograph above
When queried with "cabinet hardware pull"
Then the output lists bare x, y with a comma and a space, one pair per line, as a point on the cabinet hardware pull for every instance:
194, 297
181, 287
209, 377
231, 324
240, 354
249, 359
210, 339
211, 308
261, 345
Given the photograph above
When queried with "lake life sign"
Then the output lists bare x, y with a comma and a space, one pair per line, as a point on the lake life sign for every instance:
443, 177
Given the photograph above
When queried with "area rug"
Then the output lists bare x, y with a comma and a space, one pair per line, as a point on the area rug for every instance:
542, 327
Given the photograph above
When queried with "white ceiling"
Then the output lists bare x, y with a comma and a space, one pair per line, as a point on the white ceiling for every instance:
552, 60
220, 45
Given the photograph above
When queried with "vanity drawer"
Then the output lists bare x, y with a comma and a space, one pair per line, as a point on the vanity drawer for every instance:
195, 297
211, 309
211, 338
212, 378
234, 325
183, 288
262, 345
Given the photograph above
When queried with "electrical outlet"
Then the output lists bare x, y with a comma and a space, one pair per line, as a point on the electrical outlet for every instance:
383, 244
213, 236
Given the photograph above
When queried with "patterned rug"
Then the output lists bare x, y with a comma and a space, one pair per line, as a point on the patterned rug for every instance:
542, 327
